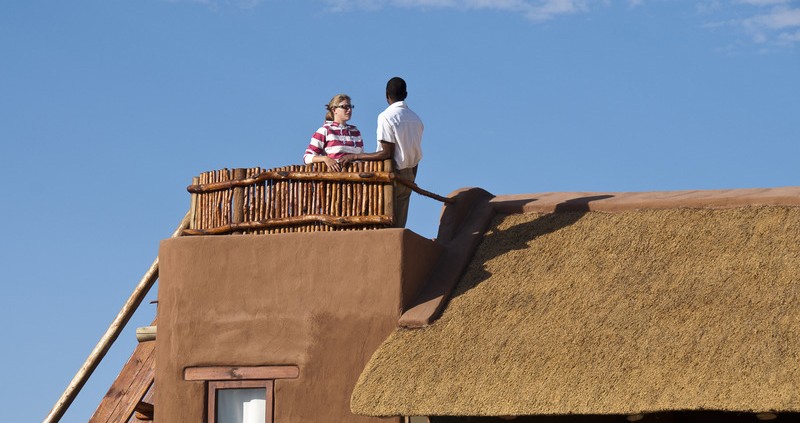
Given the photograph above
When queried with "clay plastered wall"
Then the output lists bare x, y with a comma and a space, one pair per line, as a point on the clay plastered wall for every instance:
321, 301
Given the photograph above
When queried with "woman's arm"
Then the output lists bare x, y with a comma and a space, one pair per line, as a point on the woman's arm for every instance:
315, 153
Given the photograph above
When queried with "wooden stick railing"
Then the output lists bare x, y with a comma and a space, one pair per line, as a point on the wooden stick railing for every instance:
304, 198
296, 199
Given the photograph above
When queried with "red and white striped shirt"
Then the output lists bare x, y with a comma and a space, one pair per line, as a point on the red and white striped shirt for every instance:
334, 140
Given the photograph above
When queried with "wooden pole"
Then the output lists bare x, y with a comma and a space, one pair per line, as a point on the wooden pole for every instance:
414, 187
221, 209
226, 199
256, 199
259, 199
193, 206
110, 336
374, 195
249, 205
212, 211
238, 197
202, 203
256, 196
328, 199
273, 200
348, 198
294, 202
286, 223
254, 204
270, 204
206, 213
285, 174
283, 191
215, 221
388, 192
337, 200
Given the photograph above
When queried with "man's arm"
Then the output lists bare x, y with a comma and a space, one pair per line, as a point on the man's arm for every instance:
387, 152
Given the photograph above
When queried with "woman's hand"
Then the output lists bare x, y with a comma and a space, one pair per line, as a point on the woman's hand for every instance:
333, 165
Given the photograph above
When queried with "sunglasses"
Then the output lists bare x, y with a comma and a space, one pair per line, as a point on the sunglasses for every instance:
346, 107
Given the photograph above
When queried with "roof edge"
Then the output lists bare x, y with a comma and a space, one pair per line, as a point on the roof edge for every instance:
461, 230
549, 202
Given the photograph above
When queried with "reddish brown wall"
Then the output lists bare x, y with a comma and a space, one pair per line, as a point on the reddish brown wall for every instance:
321, 301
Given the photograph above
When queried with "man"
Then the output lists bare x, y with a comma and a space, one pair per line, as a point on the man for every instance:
399, 138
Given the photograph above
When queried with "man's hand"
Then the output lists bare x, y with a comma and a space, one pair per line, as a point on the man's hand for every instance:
346, 159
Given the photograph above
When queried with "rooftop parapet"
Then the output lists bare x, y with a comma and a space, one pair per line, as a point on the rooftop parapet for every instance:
304, 198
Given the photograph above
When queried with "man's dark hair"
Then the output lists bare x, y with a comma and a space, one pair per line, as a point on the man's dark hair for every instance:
396, 89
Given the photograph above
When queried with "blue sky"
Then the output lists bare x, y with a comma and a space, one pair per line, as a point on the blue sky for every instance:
108, 108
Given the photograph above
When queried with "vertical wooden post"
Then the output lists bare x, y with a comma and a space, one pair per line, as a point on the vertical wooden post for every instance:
193, 207
388, 192
238, 198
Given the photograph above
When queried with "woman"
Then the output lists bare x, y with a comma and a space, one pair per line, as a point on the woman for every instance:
335, 138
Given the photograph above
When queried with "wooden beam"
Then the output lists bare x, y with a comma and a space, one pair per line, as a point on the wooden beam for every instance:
237, 214
193, 206
282, 175
146, 333
100, 350
144, 411
388, 192
336, 221
129, 388
241, 373
414, 187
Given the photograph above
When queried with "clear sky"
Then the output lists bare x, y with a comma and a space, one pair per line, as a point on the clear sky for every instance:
108, 108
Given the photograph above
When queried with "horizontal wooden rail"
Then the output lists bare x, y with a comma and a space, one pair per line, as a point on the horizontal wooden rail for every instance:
336, 221
271, 175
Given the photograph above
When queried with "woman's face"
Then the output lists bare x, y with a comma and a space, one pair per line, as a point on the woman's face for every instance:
343, 111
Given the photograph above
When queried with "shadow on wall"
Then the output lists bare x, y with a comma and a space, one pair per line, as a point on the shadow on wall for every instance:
519, 236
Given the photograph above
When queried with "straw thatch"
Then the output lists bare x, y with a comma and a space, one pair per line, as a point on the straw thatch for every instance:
608, 313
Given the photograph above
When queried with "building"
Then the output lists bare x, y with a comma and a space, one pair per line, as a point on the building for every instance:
661, 306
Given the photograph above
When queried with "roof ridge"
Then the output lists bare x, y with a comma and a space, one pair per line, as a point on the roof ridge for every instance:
549, 202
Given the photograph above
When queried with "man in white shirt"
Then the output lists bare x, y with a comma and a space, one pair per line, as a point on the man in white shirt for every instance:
399, 138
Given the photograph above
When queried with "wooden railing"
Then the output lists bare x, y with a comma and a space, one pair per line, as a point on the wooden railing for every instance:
305, 198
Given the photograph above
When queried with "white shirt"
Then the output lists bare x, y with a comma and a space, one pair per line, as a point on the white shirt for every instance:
403, 128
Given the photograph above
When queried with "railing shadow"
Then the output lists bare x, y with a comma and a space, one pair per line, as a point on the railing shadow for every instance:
518, 237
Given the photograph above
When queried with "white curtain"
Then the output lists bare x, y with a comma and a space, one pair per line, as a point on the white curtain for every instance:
247, 405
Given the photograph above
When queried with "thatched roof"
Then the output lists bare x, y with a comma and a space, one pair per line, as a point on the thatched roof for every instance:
608, 313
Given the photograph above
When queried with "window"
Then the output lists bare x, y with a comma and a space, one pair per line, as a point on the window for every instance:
240, 401
240, 394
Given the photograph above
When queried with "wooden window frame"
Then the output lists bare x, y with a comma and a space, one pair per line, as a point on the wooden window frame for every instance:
218, 385
239, 377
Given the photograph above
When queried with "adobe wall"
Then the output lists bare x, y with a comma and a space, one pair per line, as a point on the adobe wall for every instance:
322, 301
